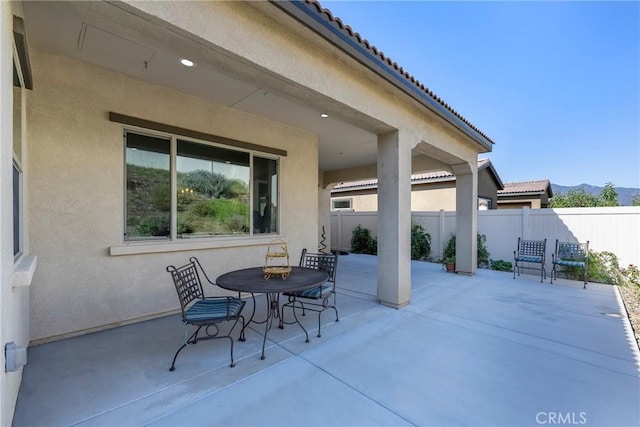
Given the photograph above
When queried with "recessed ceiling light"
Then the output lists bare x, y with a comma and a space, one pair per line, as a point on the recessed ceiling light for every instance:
324, 115
186, 62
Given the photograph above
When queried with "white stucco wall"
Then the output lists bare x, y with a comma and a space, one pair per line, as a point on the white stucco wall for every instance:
77, 165
532, 203
8, 386
434, 199
365, 202
421, 200
15, 273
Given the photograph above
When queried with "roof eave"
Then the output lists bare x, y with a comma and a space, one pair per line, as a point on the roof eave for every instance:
523, 193
413, 182
305, 14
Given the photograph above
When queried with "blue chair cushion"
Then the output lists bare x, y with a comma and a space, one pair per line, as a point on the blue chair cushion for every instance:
529, 259
569, 263
314, 293
213, 309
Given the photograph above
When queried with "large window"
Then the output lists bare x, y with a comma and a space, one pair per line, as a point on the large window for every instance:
17, 161
180, 189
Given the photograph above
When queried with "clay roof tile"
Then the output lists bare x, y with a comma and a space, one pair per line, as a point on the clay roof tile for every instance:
348, 31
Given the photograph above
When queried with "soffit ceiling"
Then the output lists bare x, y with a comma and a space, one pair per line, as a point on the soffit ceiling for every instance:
108, 36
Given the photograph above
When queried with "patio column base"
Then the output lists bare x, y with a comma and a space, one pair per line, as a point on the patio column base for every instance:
393, 305
465, 273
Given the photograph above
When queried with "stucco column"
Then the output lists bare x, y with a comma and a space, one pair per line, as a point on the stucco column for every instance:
466, 218
394, 219
324, 218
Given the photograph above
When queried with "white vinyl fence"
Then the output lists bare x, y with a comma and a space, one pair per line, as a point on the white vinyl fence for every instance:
615, 229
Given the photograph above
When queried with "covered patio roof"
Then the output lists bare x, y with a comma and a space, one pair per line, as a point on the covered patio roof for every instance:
481, 350
120, 37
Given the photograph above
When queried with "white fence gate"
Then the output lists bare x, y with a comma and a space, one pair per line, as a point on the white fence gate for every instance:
615, 229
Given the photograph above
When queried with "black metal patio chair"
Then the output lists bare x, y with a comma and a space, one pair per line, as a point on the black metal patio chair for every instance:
530, 252
316, 299
569, 256
203, 312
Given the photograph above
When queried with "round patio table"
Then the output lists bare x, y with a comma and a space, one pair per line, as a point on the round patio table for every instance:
252, 280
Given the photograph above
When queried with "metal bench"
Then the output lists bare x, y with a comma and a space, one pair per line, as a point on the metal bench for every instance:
530, 252
570, 256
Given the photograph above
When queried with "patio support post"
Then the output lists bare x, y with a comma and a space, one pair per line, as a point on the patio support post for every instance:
466, 218
394, 219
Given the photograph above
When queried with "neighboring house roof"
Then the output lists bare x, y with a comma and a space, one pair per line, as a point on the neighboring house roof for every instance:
418, 178
351, 42
486, 163
526, 188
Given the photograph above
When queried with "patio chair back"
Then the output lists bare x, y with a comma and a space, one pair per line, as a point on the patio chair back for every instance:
570, 255
323, 295
324, 262
188, 285
530, 252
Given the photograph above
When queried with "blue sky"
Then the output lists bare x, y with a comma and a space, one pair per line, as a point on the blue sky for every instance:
556, 85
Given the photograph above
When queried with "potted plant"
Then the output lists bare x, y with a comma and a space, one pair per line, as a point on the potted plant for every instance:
450, 263
449, 254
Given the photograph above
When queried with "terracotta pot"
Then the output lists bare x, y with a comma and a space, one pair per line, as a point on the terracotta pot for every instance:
450, 267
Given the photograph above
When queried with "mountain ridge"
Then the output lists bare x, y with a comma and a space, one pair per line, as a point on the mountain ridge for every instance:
625, 194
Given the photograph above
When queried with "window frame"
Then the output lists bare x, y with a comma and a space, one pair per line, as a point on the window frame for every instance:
17, 158
344, 199
19, 222
173, 240
488, 201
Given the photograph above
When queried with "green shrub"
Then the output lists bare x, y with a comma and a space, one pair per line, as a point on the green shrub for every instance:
155, 224
211, 184
604, 268
227, 208
500, 265
362, 242
185, 226
202, 208
420, 242
238, 224
482, 254
449, 251
631, 277
572, 273
236, 189
218, 216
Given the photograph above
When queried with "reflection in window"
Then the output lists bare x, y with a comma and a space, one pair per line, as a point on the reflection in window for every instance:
213, 190
213, 195
148, 203
484, 204
17, 162
265, 195
17, 212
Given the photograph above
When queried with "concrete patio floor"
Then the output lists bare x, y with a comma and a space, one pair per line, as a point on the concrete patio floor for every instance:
481, 350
